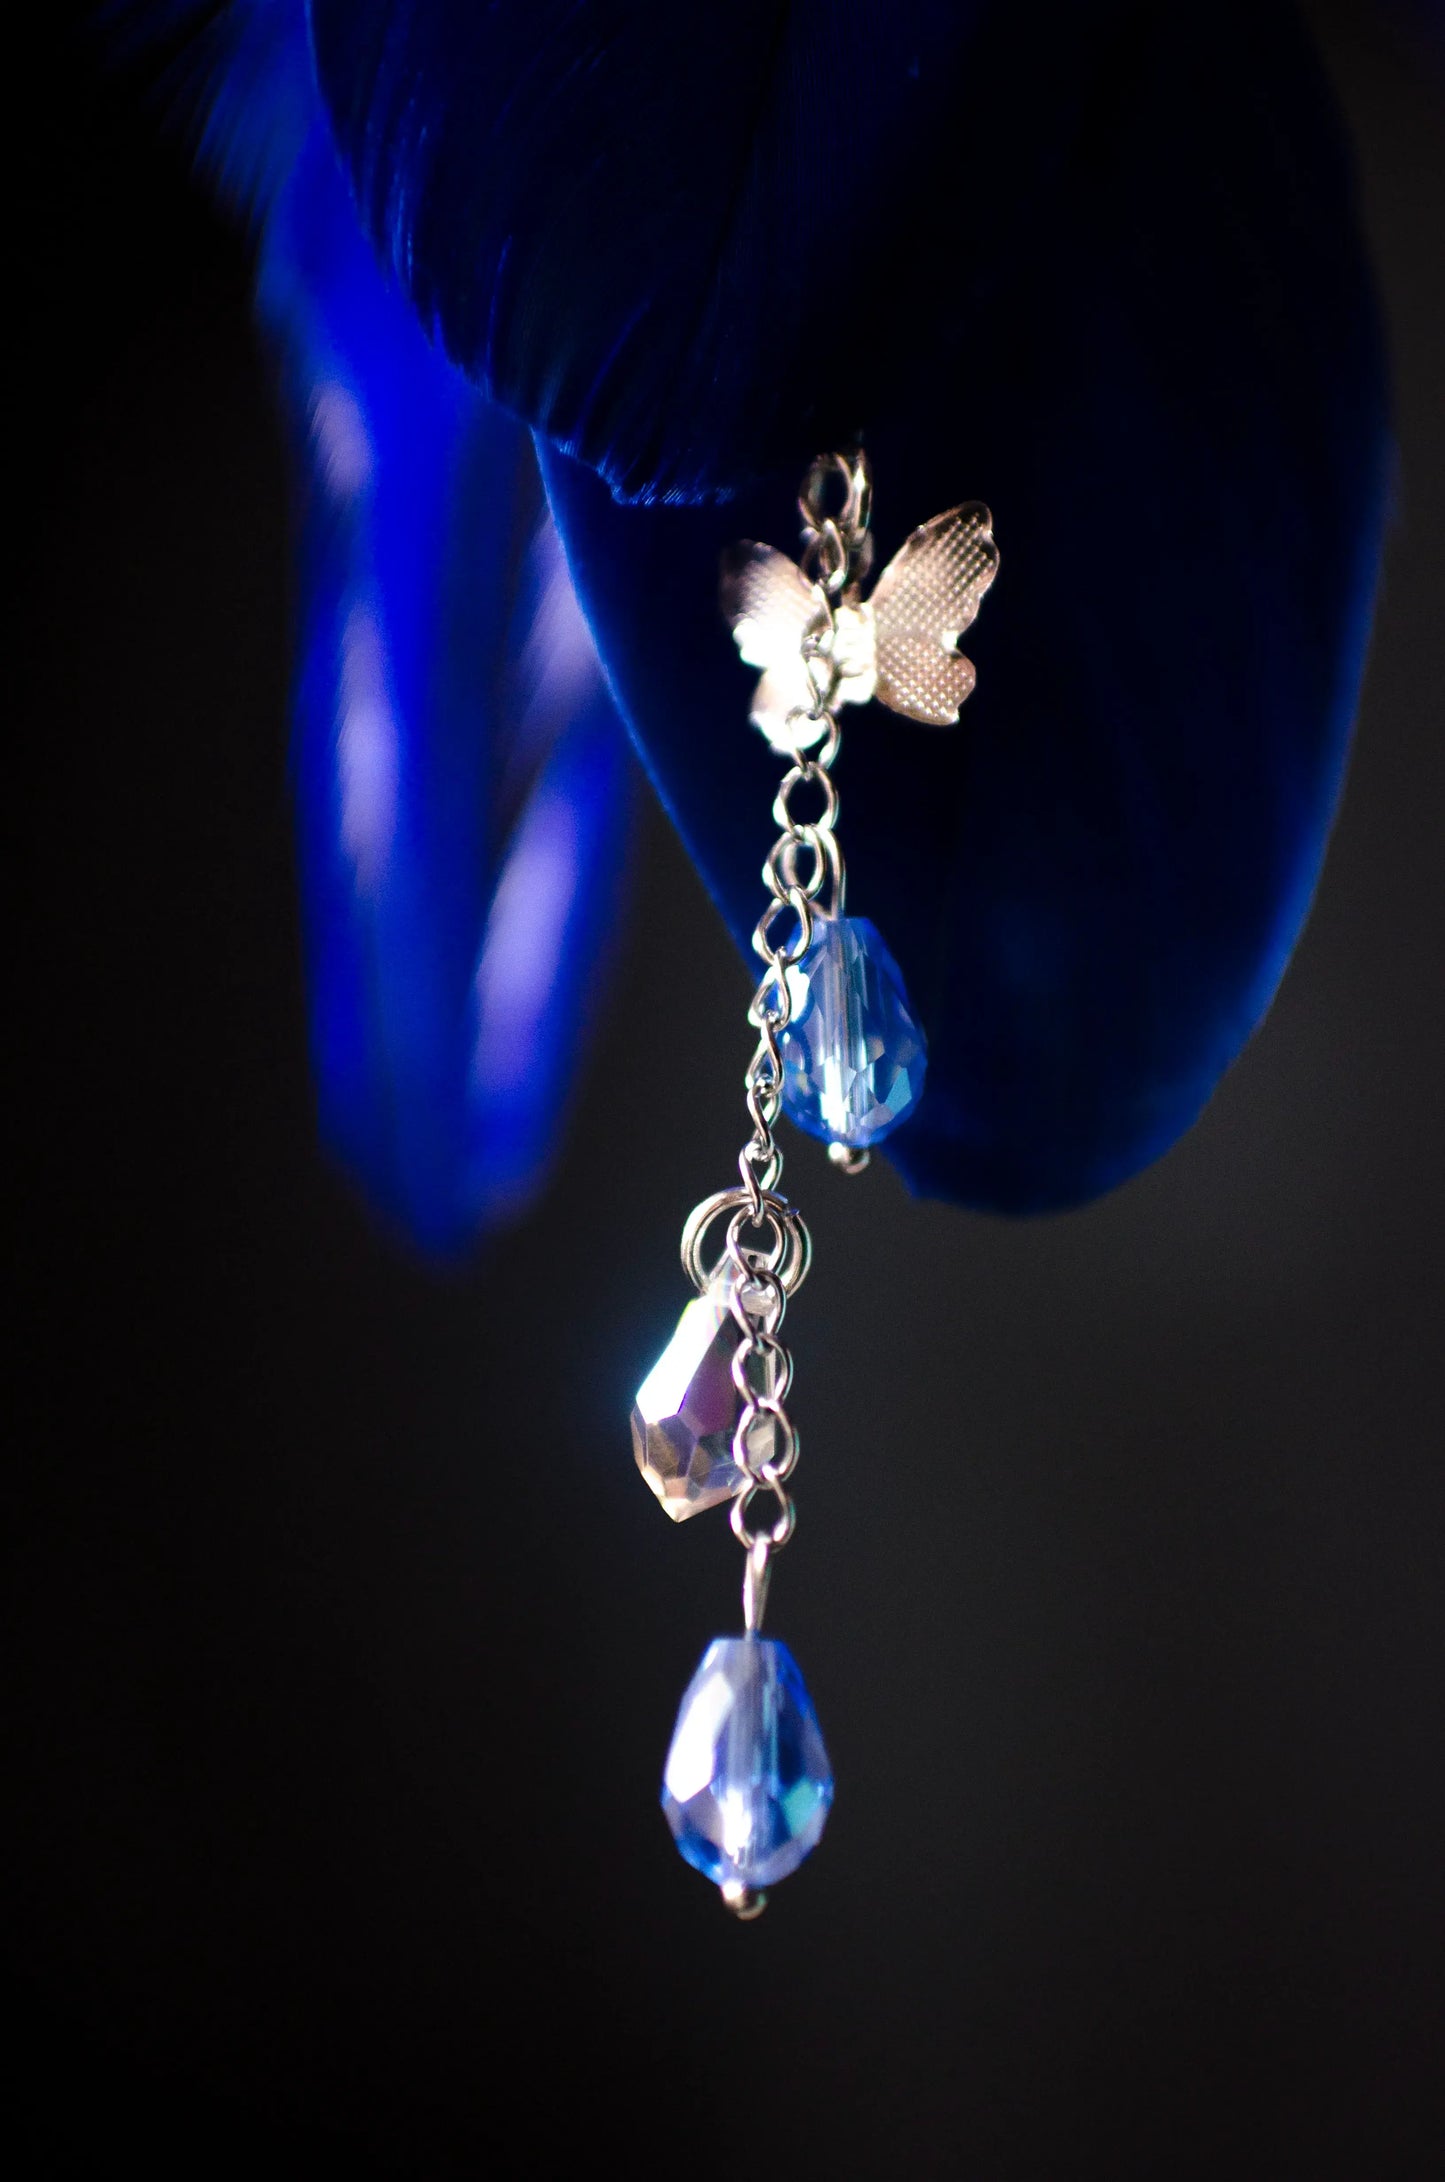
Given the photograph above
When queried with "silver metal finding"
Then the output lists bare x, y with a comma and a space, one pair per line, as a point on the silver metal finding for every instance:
768, 1247
820, 644
788, 1254
900, 645
755, 1584
745, 1902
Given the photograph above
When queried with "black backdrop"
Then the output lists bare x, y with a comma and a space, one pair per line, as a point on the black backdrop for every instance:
342, 1642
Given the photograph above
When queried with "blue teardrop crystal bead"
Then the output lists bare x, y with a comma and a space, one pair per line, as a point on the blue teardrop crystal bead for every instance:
854, 1056
747, 1784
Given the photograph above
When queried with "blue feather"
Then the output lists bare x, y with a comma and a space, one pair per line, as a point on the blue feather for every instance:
1173, 399
670, 236
461, 791
461, 794
1097, 265
234, 79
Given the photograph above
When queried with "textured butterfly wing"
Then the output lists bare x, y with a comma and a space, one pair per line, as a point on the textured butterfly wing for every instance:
924, 600
767, 601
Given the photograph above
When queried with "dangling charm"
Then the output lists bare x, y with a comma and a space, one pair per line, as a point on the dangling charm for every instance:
747, 1785
854, 1058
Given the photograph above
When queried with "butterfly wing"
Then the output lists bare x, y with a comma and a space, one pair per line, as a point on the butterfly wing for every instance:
768, 601
924, 600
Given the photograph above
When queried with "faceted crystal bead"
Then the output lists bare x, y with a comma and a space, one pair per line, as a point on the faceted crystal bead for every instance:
687, 1408
854, 1057
747, 1784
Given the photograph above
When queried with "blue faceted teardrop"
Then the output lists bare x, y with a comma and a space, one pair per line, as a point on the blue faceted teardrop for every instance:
747, 1784
854, 1057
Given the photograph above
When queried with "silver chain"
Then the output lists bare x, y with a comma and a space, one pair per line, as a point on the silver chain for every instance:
804, 876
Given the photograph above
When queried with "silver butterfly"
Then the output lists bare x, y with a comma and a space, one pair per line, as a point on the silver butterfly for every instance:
900, 645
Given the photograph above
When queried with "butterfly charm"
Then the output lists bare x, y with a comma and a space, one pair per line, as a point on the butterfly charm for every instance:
900, 645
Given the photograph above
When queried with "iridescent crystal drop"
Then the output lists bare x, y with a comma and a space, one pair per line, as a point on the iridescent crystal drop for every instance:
854, 1057
747, 1784
687, 1408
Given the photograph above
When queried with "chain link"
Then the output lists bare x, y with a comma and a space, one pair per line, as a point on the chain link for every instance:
804, 877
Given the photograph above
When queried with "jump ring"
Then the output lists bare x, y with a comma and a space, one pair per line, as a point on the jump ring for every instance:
782, 1529
789, 1260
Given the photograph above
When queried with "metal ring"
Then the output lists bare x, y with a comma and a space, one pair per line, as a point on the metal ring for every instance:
822, 472
757, 1321
782, 1529
821, 843
769, 1052
790, 1258
761, 1170
762, 1093
771, 1008
780, 1468
756, 1216
783, 957
780, 872
827, 556
760, 1341
774, 1469
825, 754
809, 774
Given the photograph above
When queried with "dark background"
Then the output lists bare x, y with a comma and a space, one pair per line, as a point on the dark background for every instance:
342, 1641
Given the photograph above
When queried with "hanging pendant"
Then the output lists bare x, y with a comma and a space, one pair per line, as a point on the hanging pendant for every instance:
854, 1057
686, 1409
747, 1785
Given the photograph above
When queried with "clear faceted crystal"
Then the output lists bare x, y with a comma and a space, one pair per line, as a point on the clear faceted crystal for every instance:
747, 1784
688, 1406
854, 1057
